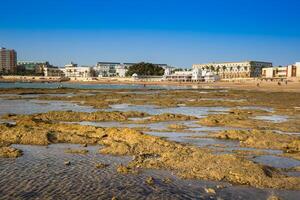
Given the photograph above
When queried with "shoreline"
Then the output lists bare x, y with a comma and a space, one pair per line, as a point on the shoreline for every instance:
235, 84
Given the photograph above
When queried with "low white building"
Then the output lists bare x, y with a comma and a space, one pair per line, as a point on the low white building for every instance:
195, 75
211, 77
53, 71
179, 76
73, 71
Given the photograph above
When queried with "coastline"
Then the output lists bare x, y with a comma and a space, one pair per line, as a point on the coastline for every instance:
291, 86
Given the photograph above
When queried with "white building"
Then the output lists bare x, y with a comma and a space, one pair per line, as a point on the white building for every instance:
168, 70
106, 69
73, 71
211, 77
53, 71
179, 76
121, 70
197, 75
244, 69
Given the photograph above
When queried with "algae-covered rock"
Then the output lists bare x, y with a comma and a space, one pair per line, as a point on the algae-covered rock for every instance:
261, 139
171, 117
192, 162
126, 170
177, 126
76, 151
150, 180
273, 197
70, 116
9, 152
67, 163
210, 190
101, 165
246, 119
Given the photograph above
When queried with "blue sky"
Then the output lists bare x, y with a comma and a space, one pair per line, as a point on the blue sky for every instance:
176, 32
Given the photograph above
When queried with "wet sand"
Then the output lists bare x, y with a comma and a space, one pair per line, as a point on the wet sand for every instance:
41, 174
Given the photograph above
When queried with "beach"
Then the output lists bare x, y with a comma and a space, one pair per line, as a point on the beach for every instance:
147, 142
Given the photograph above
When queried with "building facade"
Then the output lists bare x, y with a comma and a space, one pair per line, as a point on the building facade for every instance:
32, 67
227, 70
8, 61
121, 70
195, 75
290, 71
106, 69
179, 76
73, 71
53, 71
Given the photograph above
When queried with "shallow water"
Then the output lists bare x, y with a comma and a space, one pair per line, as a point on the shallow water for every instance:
156, 110
277, 161
264, 108
273, 118
88, 86
226, 146
33, 96
22, 106
41, 174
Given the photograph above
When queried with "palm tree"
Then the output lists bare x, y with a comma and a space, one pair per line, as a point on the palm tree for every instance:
218, 69
238, 68
223, 70
207, 67
224, 67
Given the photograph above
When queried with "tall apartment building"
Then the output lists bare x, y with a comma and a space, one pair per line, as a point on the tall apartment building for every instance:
8, 61
245, 69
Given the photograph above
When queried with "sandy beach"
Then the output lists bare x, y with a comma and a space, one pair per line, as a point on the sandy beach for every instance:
257, 85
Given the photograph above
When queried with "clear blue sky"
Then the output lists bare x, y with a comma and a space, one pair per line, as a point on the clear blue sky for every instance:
176, 32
